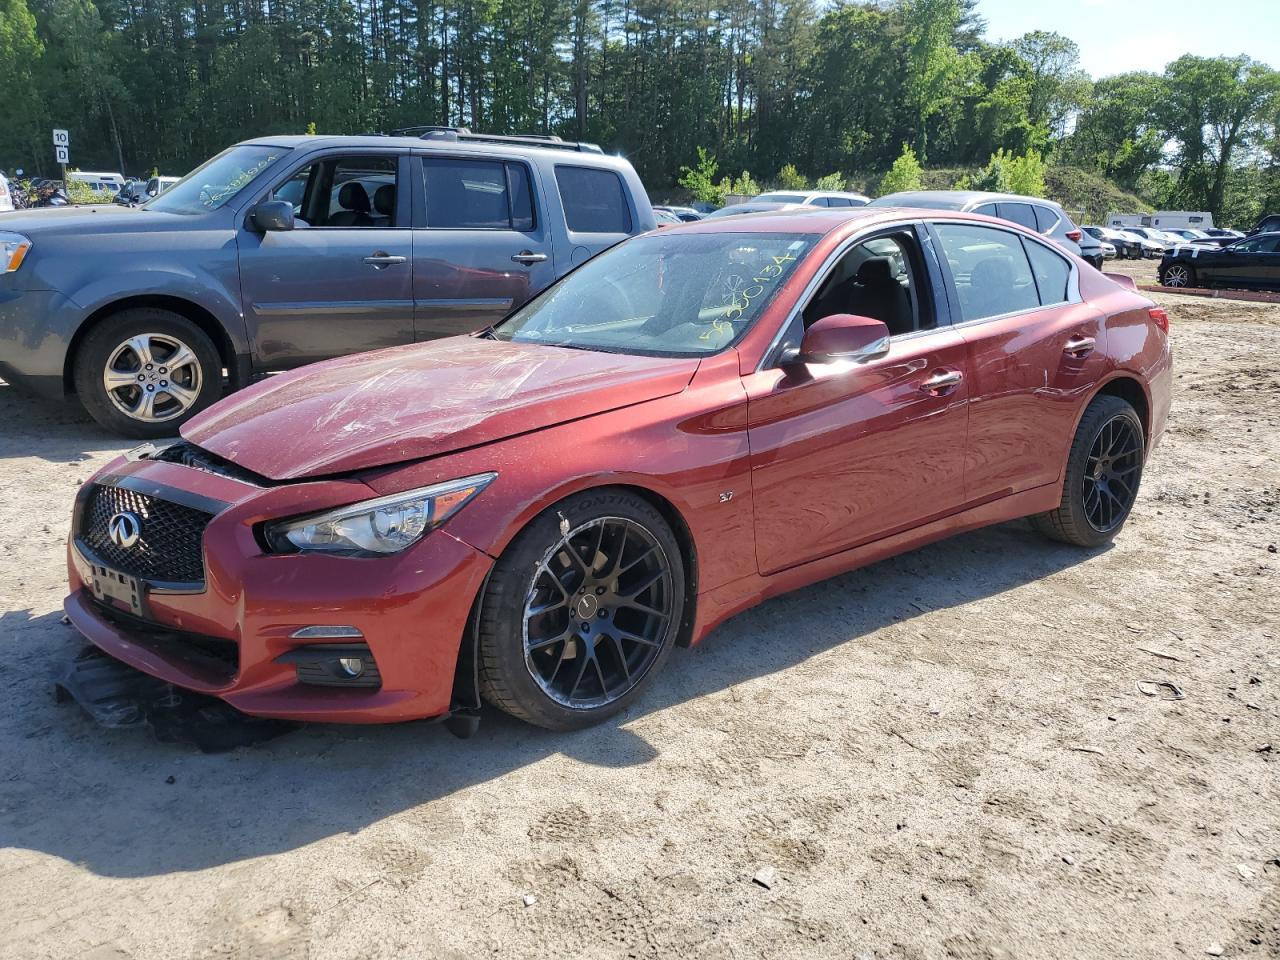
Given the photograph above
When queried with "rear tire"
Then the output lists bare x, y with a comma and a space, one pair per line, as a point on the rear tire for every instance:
569, 632
145, 372
1104, 470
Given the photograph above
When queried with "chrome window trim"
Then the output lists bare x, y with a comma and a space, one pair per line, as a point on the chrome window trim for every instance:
768, 359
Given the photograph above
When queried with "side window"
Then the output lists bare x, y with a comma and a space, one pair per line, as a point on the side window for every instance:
882, 278
990, 269
1052, 273
593, 200
820, 202
344, 192
1046, 219
1019, 213
986, 209
476, 194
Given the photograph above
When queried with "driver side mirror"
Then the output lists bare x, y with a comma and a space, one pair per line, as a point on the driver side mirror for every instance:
272, 215
844, 336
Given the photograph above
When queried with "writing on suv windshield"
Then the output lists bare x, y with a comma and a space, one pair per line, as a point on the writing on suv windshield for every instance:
216, 181
686, 294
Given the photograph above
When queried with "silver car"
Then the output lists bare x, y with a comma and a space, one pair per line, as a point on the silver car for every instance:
1044, 216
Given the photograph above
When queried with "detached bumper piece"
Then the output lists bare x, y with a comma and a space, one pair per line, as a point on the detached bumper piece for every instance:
117, 696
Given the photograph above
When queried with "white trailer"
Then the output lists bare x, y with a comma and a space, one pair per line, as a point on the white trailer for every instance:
1181, 220
1118, 221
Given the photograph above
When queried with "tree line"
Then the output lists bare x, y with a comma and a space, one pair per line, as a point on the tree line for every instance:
759, 84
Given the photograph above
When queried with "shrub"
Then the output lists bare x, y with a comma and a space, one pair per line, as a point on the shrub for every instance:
905, 174
832, 181
789, 178
699, 179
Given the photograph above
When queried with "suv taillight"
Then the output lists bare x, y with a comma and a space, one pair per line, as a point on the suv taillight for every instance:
1159, 317
1074, 236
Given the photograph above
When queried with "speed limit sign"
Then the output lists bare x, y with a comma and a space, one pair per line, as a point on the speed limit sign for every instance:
61, 138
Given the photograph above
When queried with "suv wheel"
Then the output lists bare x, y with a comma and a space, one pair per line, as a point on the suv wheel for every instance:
1177, 275
581, 611
1104, 469
145, 372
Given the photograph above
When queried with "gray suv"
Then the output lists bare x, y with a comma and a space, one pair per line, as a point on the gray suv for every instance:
285, 250
1043, 216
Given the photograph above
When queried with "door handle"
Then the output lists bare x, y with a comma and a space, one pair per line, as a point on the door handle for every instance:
942, 381
381, 259
1079, 346
528, 256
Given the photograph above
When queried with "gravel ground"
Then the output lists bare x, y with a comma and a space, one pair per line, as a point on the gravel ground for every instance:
943, 755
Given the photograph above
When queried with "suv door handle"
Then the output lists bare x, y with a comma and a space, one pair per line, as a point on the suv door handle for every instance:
1079, 346
942, 381
528, 256
381, 259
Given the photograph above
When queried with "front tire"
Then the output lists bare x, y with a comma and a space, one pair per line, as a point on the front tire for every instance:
581, 611
145, 372
1178, 275
1104, 469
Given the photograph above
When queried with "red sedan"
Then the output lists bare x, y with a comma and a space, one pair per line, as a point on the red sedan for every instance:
696, 420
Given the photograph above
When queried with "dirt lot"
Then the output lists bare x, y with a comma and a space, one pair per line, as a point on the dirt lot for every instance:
941, 755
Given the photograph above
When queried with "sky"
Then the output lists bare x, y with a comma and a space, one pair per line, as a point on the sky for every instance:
1118, 36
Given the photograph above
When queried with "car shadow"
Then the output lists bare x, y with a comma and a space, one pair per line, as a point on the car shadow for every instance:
57, 431
124, 805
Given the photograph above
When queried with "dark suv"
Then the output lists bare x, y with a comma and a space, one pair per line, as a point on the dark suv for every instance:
286, 250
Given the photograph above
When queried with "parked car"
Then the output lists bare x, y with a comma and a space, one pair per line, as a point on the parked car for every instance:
131, 193
539, 513
1253, 263
1267, 224
6, 198
665, 218
686, 214
104, 185
286, 250
814, 198
1222, 232
1202, 237
1094, 251
1043, 216
753, 206
1127, 247
1162, 240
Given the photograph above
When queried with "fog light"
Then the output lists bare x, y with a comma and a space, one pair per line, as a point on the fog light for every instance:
351, 666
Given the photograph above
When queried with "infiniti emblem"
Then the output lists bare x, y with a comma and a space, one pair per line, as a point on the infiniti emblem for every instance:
124, 529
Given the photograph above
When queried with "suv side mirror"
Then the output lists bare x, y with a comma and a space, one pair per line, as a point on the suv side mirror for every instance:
844, 336
273, 215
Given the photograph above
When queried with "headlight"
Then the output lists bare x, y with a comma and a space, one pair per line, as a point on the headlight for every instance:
13, 250
376, 527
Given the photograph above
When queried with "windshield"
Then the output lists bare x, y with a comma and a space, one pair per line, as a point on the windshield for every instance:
216, 181
669, 294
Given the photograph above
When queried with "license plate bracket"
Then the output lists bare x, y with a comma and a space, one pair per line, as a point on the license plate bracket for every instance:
117, 589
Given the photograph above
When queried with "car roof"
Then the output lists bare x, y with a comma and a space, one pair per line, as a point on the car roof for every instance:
953, 199
568, 157
824, 220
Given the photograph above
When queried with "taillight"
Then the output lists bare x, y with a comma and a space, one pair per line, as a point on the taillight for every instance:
1159, 317
1074, 236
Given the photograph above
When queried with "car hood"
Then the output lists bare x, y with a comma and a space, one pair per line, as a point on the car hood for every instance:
83, 219
408, 403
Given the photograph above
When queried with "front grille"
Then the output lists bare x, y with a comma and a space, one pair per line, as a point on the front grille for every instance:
169, 547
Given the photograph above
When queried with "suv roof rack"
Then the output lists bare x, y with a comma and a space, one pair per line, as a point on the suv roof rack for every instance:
464, 134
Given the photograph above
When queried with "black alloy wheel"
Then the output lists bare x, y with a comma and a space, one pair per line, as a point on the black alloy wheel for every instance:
597, 612
1111, 474
581, 610
1103, 472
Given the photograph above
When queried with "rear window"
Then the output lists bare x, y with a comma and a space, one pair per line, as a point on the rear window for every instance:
1019, 213
593, 200
1046, 219
477, 194
1052, 273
